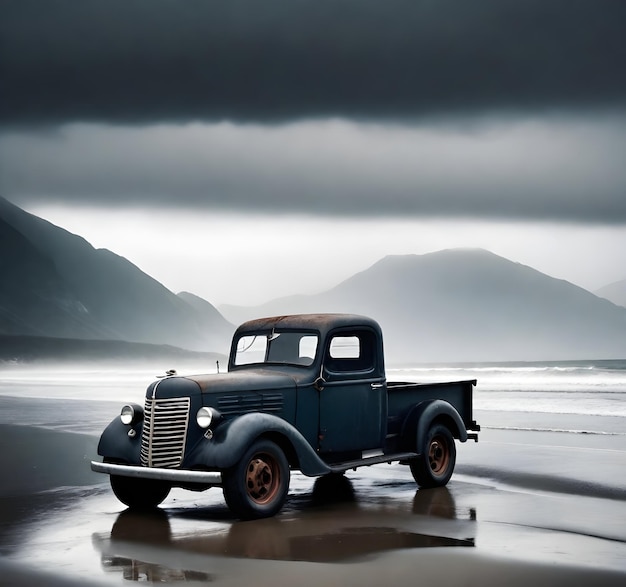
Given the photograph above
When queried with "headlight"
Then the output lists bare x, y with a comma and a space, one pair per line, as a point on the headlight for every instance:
131, 414
208, 417
204, 417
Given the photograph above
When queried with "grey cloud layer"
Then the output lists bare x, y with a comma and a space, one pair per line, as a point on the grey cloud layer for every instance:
249, 60
559, 170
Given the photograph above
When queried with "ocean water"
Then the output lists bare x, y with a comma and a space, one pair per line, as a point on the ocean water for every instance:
575, 396
580, 397
593, 388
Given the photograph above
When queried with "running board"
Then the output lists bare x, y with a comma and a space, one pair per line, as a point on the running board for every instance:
400, 456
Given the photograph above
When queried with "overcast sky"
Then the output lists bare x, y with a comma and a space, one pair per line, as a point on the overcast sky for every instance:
244, 150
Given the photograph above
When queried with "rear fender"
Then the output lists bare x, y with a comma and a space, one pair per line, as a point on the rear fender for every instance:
419, 420
232, 438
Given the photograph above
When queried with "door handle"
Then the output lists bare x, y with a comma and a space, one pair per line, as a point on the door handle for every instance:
377, 385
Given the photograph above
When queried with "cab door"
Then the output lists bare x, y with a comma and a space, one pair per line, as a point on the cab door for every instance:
353, 394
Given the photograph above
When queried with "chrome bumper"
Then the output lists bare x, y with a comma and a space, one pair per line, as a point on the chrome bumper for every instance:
172, 475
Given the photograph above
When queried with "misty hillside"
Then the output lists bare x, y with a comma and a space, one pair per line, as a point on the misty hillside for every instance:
20, 349
469, 305
614, 292
55, 284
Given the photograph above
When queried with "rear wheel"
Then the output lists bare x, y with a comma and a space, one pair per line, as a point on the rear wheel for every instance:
257, 486
139, 494
434, 468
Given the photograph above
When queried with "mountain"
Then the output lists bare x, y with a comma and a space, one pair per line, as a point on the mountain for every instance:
614, 292
204, 310
469, 305
55, 284
449, 306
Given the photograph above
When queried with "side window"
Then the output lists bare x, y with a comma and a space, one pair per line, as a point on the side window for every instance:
351, 351
345, 347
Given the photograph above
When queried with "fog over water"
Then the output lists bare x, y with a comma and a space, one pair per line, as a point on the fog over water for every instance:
584, 388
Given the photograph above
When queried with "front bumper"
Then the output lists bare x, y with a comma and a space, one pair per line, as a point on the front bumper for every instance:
175, 476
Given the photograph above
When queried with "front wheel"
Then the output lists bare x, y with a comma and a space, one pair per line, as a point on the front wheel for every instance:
434, 468
257, 486
139, 494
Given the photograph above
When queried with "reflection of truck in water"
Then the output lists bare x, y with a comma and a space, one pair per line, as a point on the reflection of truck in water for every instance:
343, 532
304, 392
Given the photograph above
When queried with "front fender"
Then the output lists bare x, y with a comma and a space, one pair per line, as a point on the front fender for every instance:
420, 418
232, 438
116, 445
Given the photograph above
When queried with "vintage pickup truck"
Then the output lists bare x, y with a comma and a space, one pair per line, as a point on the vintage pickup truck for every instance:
304, 392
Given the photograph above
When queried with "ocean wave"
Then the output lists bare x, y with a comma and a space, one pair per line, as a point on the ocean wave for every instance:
557, 367
547, 429
602, 409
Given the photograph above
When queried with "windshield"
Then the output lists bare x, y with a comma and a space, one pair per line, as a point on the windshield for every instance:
290, 347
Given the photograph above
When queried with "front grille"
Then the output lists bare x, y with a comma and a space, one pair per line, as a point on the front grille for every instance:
164, 432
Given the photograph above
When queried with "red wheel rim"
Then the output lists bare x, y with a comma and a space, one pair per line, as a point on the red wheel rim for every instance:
438, 455
262, 478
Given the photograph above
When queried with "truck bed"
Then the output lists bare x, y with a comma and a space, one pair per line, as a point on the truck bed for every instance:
403, 396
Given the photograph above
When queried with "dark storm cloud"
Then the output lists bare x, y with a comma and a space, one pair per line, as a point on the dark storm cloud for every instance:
139, 61
567, 170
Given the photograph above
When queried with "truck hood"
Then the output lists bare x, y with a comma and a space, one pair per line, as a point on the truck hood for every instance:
257, 380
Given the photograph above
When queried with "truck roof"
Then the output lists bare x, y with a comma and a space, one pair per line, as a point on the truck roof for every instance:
321, 322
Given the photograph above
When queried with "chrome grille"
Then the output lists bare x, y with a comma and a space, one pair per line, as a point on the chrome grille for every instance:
164, 432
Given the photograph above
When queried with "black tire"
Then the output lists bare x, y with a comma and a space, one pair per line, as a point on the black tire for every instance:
434, 468
257, 486
139, 494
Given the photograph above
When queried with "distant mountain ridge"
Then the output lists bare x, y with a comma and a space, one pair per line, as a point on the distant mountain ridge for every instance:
469, 305
451, 306
614, 292
55, 284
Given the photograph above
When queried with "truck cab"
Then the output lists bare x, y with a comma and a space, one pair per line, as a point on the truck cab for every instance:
338, 370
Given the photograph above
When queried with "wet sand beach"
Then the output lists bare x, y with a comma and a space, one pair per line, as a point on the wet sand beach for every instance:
523, 506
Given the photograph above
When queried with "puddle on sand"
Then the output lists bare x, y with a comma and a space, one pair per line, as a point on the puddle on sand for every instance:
256, 540
340, 546
357, 542
333, 534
